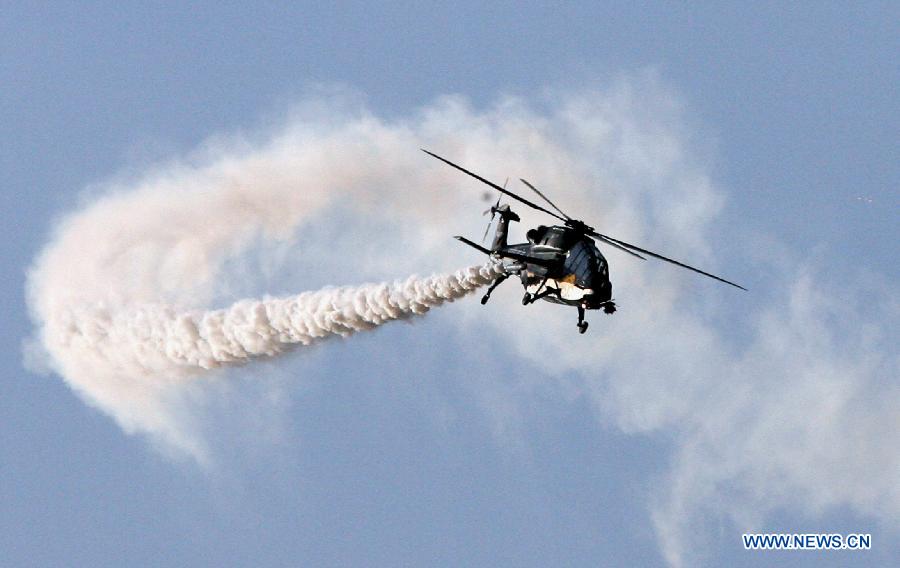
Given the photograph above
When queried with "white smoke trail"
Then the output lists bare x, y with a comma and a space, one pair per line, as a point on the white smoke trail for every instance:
153, 340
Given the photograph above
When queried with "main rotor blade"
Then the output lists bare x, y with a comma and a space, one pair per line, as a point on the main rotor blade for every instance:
494, 185
534, 189
670, 260
605, 240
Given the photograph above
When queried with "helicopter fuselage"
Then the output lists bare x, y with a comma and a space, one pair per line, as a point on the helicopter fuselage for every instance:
572, 271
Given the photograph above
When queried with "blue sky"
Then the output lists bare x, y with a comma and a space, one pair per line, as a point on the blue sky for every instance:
445, 443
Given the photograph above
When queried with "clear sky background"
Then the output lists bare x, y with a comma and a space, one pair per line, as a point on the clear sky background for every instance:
792, 112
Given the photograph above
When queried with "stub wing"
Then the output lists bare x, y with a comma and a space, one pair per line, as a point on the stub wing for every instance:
508, 254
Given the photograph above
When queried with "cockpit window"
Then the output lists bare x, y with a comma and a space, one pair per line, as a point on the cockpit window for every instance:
539, 235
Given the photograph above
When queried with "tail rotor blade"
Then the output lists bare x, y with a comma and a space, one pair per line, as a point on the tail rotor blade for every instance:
486, 229
493, 212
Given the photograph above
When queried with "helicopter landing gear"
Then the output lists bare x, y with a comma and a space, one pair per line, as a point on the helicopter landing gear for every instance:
582, 325
487, 295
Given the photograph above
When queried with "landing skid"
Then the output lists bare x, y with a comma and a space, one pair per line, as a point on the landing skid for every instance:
497, 282
529, 298
540, 294
582, 325
609, 307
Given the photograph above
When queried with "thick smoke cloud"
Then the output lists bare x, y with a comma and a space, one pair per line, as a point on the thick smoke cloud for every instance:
783, 398
153, 339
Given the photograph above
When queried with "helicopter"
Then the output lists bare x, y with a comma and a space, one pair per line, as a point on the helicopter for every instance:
560, 264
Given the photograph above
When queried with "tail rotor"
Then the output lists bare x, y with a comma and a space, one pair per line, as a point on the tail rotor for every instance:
493, 211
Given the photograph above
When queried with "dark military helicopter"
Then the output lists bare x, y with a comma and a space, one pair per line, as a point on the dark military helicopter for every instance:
559, 263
